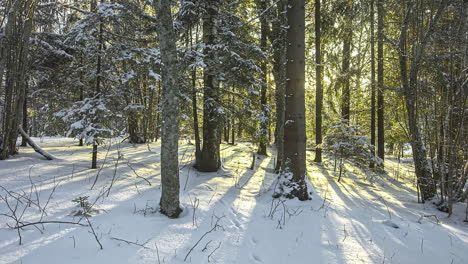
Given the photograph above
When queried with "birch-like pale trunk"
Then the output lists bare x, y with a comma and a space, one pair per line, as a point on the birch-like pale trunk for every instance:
170, 186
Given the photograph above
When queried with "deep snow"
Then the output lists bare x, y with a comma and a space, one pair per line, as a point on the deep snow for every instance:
362, 219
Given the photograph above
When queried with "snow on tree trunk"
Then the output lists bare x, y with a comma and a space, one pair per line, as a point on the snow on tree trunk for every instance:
264, 115
169, 203
279, 71
380, 81
294, 130
373, 87
410, 82
34, 146
18, 28
209, 159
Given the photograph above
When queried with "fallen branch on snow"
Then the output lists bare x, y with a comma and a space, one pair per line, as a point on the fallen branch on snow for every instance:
34, 146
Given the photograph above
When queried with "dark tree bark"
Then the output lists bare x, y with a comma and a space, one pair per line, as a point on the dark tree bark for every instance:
372, 49
409, 80
18, 30
98, 85
170, 186
318, 81
345, 73
25, 120
196, 128
294, 129
380, 82
278, 40
264, 119
94, 156
233, 132
136, 136
158, 115
81, 97
209, 159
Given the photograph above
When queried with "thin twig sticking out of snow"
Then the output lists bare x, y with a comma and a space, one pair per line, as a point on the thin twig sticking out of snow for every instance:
94, 233
136, 174
48, 222
219, 245
102, 166
216, 225
130, 242
157, 253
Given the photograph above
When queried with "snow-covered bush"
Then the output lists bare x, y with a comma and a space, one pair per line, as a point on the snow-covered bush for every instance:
88, 119
346, 142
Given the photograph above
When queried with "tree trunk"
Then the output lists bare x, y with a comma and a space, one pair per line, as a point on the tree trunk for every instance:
170, 185
134, 134
97, 90
294, 129
94, 156
158, 115
319, 89
373, 109
195, 115
18, 28
25, 121
279, 71
264, 118
233, 132
209, 159
34, 146
81, 142
380, 82
409, 83
196, 128
345, 74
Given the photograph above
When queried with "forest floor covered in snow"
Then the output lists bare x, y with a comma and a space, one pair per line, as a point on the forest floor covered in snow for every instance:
229, 216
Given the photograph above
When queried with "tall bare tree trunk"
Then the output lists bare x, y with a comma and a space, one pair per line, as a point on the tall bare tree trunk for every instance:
409, 83
170, 112
294, 130
346, 92
380, 82
25, 119
318, 81
279, 70
209, 159
345, 67
196, 128
265, 115
98, 85
373, 109
18, 30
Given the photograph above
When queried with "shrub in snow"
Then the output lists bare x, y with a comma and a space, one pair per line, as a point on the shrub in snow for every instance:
346, 142
287, 187
88, 119
84, 207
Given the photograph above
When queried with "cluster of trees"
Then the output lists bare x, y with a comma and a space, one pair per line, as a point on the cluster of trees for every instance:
218, 70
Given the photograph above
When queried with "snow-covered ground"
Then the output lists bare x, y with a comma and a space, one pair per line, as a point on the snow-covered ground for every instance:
229, 216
